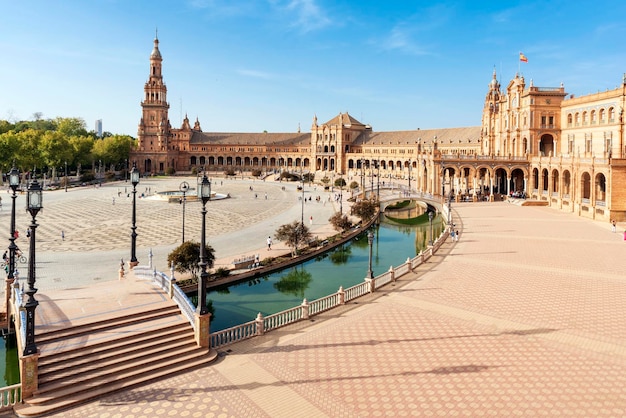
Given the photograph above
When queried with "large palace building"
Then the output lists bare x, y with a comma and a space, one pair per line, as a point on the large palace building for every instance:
541, 142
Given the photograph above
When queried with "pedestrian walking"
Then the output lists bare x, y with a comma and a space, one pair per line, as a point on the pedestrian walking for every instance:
311, 220
62, 235
613, 226
456, 235
269, 243
452, 235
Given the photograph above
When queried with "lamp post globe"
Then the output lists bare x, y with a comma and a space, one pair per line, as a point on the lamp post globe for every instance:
134, 179
14, 183
204, 194
33, 206
184, 188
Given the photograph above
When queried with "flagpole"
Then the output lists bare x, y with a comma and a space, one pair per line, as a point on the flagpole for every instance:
519, 63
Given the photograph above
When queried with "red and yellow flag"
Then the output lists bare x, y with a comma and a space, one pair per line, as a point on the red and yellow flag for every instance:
522, 57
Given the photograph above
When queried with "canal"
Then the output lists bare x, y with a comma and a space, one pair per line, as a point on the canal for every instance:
345, 266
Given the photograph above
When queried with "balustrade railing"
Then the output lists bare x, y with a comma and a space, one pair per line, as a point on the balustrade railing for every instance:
263, 324
10, 396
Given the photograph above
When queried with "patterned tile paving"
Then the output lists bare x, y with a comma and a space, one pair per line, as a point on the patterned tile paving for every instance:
523, 317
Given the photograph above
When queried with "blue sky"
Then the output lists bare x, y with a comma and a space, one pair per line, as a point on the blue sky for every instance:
255, 65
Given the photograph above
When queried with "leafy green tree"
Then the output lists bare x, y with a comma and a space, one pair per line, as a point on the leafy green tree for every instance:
29, 155
71, 126
340, 222
55, 149
340, 182
294, 235
82, 150
364, 209
187, 256
353, 186
112, 149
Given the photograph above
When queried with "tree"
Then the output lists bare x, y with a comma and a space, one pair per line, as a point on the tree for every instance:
340, 222
187, 256
340, 182
353, 186
293, 234
364, 209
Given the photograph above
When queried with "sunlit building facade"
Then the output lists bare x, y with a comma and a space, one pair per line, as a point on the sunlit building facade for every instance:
564, 151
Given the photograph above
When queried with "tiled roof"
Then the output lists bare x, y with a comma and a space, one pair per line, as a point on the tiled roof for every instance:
445, 137
343, 119
212, 138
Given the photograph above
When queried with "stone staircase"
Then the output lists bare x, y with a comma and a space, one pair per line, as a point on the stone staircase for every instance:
83, 362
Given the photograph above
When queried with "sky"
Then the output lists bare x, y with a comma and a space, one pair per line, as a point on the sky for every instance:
272, 65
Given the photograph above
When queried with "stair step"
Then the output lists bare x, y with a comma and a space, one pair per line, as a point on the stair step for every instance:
83, 376
114, 385
66, 350
106, 357
74, 389
114, 322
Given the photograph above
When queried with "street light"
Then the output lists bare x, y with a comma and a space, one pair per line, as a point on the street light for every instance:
341, 195
33, 206
204, 193
430, 219
184, 187
134, 179
66, 177
370, 241
14, 182
409, 176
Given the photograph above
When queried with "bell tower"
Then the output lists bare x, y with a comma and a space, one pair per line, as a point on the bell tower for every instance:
153, 130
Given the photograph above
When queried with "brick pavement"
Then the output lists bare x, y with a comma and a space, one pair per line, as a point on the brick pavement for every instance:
522, 317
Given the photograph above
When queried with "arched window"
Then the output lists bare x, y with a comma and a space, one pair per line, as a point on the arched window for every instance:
602, 116
592, 117
569, 119
611, 115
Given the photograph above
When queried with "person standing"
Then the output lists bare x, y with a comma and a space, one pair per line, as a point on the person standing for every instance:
613, 226
269, 243
456, 236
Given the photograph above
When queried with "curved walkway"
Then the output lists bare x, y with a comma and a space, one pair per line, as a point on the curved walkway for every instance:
524, 316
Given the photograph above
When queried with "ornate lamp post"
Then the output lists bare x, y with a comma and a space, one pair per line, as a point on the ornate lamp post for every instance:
370, 241
341, 195
184, 187
33, 206
66, 178
134, 179
430, 219
409, 176
14, 183
204, 193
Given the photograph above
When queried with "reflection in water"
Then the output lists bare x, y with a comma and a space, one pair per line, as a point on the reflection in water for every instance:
345, 266
341, 254
294, 282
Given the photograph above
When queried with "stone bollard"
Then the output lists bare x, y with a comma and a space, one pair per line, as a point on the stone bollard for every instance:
392, 273
260, 327
342, 295
305, 309
121, 272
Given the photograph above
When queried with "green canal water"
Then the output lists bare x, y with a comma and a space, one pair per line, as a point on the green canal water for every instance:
344, 266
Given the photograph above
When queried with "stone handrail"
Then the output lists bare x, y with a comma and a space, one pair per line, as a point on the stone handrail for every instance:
10, 396
169, 286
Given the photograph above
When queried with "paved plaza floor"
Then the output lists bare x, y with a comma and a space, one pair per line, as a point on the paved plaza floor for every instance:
523, 316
